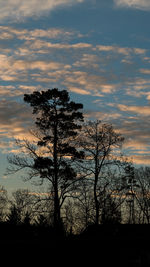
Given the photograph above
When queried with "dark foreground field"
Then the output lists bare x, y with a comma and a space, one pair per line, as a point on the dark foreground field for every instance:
122, 245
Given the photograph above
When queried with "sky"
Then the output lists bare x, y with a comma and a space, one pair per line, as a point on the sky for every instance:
98, 50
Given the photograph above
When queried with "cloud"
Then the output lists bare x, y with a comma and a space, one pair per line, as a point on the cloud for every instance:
145, 71
121, 50
14, 117
139, 87
103, 116
79, 91
126, 51
53, 33
20, 9
12, 91
8, 32
140, 110
38, 44
136, 130
136, 144
15, 121
138, 4
57, 57
89, 83
12, 69
108, 88
140, 159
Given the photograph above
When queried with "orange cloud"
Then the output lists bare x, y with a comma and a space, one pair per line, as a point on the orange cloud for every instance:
121, 50
17, 10
79, 91
108, 88
140, 159
145, 71
102, 115
39, 44
138, 4
141, 110
12, 69
126, 51
135, 144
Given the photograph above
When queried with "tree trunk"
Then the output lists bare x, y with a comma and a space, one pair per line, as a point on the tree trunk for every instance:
56, 208
57, 219
95, 183
96, 201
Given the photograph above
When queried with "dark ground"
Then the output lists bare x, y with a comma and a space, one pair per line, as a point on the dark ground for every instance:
118, 245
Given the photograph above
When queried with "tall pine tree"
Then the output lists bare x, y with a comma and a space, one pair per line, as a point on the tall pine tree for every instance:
58, 121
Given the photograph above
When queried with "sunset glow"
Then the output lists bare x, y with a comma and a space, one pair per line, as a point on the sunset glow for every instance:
97, 50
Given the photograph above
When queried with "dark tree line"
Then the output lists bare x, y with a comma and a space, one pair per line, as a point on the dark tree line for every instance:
88, 180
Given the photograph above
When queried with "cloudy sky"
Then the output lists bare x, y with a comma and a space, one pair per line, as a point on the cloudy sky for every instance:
99, 50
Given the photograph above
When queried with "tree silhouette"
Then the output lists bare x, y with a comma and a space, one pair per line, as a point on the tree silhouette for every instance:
111, 214
14, 218
3, 203
98, 140
143, 193
57, 122
27, 219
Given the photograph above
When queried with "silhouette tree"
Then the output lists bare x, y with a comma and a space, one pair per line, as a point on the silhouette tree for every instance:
14, 218
42, 221
83, 203
57, 122
142, 193
132, 187
3, 203
27, 219
29, 204
98, 140
111, 213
